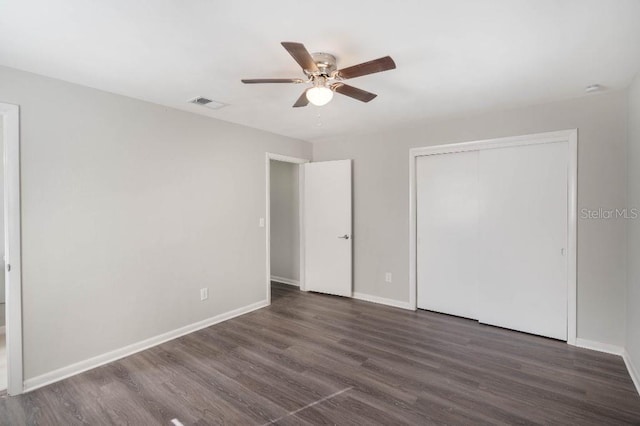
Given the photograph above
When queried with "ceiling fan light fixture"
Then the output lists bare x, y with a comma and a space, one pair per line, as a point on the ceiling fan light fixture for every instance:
319, 95
320, 69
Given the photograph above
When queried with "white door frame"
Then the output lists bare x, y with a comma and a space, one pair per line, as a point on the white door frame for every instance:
13, 271
569, 136
286, 159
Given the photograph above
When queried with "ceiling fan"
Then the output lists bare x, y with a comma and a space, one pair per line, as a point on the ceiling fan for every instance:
320, 70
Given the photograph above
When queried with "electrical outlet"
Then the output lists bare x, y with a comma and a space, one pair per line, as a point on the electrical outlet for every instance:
204, 293
261, 222
387, 277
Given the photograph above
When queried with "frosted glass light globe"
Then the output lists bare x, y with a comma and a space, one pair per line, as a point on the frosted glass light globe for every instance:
319, 95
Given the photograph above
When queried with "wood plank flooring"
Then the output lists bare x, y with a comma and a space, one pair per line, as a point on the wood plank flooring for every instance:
312, 359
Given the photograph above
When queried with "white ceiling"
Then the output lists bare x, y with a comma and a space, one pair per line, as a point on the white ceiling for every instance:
453, 56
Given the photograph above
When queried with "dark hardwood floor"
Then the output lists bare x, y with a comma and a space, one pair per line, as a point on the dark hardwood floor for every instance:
315, 359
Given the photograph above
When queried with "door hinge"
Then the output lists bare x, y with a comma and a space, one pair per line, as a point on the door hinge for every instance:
8, 267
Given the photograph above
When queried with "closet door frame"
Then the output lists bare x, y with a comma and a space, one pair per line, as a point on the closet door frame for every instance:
571, 137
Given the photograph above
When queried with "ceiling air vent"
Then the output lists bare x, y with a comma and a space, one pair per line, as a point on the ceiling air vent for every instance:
207, 103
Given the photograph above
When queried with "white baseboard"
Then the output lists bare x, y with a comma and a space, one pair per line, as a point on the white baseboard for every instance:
600, 347
287, 281
614, 350
88, 364
633, 371
382, 301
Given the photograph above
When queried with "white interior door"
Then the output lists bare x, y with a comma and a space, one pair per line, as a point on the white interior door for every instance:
447, 233
327, 219
523, 235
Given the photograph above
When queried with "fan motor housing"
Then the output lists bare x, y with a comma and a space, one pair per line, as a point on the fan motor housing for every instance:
326, 63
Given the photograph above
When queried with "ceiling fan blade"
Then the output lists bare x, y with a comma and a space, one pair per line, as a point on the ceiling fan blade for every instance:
272, 80
301, 55
353, 92
371, 67
302, 100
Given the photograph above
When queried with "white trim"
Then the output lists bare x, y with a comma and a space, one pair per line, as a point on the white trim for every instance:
598, 346
301, 219
88, 364
287, 159
572, 237
287, 281
13, 278
633, 371
383, 301
413, 233
537, 138
570, 136
613, 350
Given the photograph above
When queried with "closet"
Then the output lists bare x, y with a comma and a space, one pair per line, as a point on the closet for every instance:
492, 235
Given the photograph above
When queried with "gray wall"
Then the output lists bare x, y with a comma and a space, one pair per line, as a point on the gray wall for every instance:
285, 231
128, 209
381, 197
633, 227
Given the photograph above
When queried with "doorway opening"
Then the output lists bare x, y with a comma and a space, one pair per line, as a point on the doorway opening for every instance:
11, 376
284, 223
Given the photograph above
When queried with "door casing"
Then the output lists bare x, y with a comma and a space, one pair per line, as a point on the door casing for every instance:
287, 159
10, 114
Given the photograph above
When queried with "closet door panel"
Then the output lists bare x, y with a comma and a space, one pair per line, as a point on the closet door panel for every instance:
523, 201
447, 233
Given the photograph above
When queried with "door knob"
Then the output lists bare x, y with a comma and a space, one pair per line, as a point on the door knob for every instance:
345, 236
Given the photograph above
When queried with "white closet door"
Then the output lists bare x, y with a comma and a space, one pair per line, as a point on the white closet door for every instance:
523, 235
447, 233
